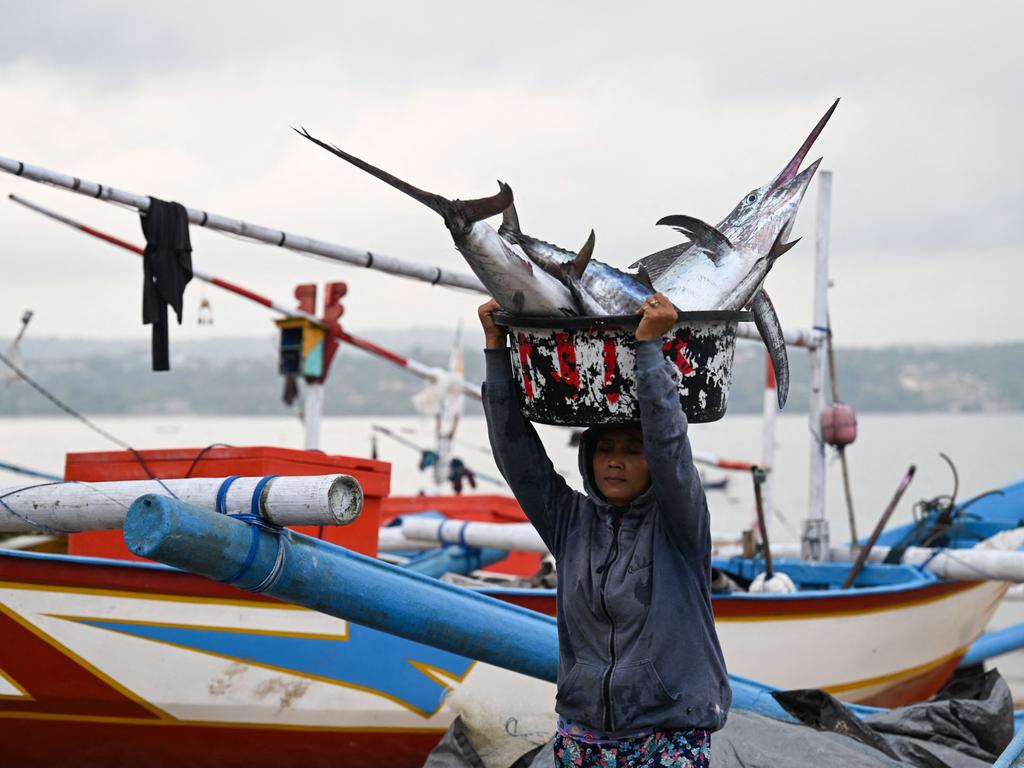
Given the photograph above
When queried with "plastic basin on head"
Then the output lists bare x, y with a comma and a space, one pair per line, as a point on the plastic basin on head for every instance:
578, 371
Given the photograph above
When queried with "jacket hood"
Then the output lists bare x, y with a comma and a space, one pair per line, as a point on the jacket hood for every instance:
588, 440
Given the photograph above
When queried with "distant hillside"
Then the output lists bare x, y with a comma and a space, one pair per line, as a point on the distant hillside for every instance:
239, 376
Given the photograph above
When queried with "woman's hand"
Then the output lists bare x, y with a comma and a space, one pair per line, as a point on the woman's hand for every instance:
658, 318
494, 334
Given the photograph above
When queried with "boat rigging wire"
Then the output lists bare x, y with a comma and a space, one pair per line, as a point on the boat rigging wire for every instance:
75, 414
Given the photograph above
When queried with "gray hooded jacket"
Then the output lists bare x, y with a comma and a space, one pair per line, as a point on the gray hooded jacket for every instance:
636, 636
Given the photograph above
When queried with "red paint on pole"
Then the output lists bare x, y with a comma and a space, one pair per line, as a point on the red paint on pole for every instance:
112, 240
746, 466
610, 366
525, 350
369, 346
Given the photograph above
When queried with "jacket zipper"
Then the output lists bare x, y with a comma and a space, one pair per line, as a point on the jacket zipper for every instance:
606, 684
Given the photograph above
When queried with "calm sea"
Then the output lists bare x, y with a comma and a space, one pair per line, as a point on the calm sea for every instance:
984, 447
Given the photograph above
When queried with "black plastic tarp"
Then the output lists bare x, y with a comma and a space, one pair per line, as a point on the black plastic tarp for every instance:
966, 725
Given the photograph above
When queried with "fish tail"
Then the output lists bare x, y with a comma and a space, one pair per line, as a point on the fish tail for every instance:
510, 220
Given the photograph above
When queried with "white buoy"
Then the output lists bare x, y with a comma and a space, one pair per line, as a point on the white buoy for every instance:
79, 506
778, 584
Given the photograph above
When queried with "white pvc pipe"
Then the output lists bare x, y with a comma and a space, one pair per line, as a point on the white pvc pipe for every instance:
300, 243
79, 506
391, 539
794, 337
518, 537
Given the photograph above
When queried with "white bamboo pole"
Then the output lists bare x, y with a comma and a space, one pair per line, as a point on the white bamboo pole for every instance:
520, 537
79, 506
948, 564
280, 238
794, 337
815, 534
798, 337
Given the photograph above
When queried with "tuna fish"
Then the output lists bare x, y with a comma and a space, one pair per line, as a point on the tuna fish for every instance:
599, 289
508, 275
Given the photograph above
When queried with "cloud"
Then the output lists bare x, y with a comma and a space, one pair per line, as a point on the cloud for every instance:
597, 118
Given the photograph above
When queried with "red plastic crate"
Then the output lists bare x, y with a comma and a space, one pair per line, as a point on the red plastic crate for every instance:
253, 461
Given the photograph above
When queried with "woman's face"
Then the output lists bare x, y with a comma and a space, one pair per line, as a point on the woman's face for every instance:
620, 467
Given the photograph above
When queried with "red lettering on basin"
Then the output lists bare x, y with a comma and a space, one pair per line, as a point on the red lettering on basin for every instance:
677, 347
610, 364
567, 372
525, 350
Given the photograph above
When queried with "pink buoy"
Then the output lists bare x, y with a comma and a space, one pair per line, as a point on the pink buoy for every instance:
838, 425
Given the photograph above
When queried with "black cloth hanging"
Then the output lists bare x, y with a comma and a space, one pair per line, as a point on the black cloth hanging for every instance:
167, 268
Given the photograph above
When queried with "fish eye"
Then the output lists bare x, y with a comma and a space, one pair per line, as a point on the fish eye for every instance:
752, 198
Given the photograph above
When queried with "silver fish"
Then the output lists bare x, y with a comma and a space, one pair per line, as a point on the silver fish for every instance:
506, 272
724, 267
599, 288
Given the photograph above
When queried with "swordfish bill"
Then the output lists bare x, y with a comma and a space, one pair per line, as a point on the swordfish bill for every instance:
457, 214
503, 268
793, 167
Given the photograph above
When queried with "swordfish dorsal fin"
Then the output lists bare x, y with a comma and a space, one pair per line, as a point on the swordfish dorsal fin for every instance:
704, 236
457, 214
579, 264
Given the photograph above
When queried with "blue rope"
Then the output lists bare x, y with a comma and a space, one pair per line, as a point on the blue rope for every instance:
257, 492
222, 494
276, 570
254, 547
257, 523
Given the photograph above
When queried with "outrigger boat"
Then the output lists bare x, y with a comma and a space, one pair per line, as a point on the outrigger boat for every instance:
134, 655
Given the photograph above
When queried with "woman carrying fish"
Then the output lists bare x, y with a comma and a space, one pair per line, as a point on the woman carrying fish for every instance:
641, 678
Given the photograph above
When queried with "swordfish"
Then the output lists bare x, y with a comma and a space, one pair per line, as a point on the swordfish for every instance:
724, 267
509, 276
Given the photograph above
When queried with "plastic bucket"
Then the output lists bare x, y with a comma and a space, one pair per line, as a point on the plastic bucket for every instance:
579, 371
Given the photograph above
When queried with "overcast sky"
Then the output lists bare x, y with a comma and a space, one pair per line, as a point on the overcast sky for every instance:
608, 119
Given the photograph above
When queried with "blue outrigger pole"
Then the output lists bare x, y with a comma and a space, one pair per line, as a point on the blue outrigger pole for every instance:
323, 577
